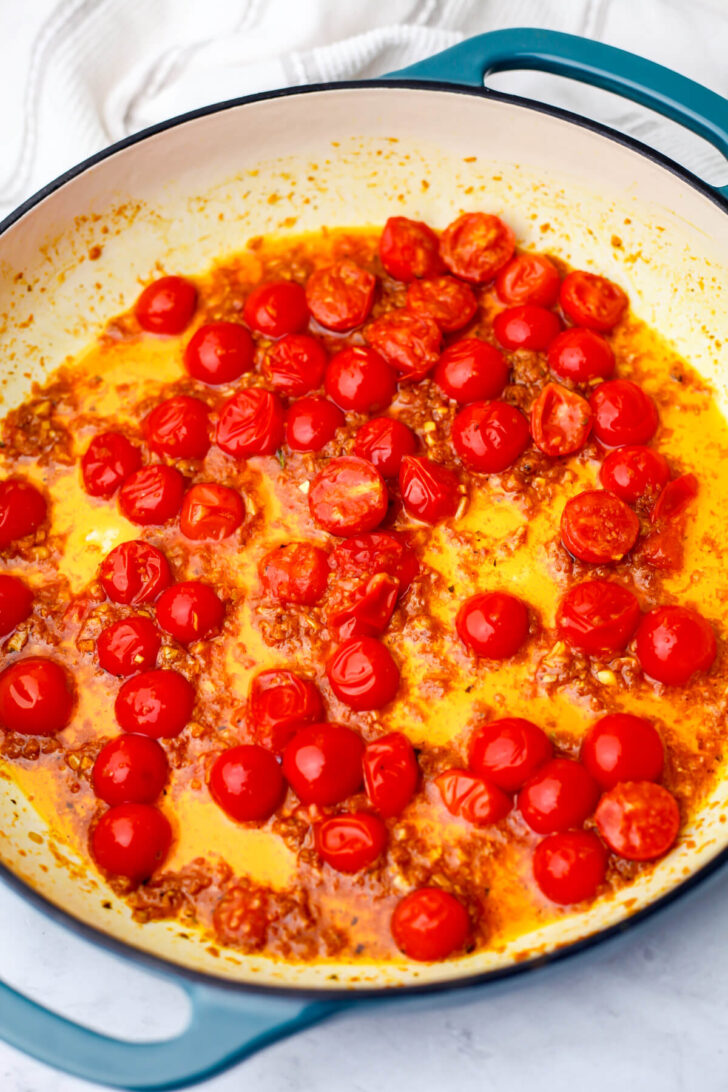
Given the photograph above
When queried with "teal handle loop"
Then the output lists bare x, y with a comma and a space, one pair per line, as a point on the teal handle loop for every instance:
650, 84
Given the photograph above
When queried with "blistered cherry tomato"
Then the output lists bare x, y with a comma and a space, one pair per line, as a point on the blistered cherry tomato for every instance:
526, 327
581, 355
128, 646
662, 549
384, 441
279, 704
528, 278
638, 820
390, 773
348, 496
489, 436
340, 296
247, 783
155, 703
634, 473
296, 364
673, 643
509, 751
368, 611
674, 499
363, 673
360, 379
131, 840
493, 624
36, 697
409, 343
598, 527
152, 495
592, 301
219, 352
471, 370
476, 799
166, 306
380, 552
430, 492
250, 423
130, 770
211, 511
276, 309
449, 303
311, 423
178, 427
409, 249
295, 573
22, 510
560, 421
16, 602
623, 413
561, 795
190, 611
476, 246
622, 747
430, 924
134, 573
570, 867
352, 842
598, 616
323, 763
109, 460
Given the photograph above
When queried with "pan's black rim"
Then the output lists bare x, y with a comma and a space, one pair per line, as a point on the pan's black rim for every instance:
349, 995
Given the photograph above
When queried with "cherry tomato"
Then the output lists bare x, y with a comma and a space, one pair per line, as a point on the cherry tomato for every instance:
363, 674
352, 842
247, 783
430, 924
368, 612
623, 413
190, 611
598, 616
134, 573
638, 820
36, 697
430, 492
409, 249
592, 301
128, 646
152, 495
673, 643
471, 370
179, 427
166, 306
360, 379
155, 703
528, 278
16, 602
311, 423
449, 303
476, 246
490, 436
508, 752
219, 352
323, 763
279, 704
474, 798
570, 867
634, 473
380, 552
598, 527
662, 549
526, 327
131, 840
211, 511
560, 421
390, 773
296, 572
581, 355
674, 498
109, 460
276, 309
340, 296
130, 770
561, 795
384, 441
251, 423
622, 747
493, 624
348, 496
295, 365
409, 343
22, 510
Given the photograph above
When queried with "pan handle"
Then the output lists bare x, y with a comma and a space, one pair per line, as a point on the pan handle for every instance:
225, 1026
626, 74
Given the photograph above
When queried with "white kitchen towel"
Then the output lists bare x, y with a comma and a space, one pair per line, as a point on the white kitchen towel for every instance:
79, 74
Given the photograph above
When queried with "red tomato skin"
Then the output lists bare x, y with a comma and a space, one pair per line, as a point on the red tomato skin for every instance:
623, 414
430, 492
340, 296
561, 795
190, 611
474, 798
247, 783
359, 379
131, 840
449, 303
663, 549
166, 306
252, 422
295, 573
673, 643
526, 327
390, 773
295, 365
363, 674
493, 624
37, 697
178, 428
155, 703
429, 924
598, 527
598, 616
351, 842
379, 552
130, 770
592, 301
622, 747
674, 499
638, 820
561, 421
471, 370
508, 752
109, 460
348, 497
211, 511
409, 343
368, 612
219, 352
22, 510
570, 867
276, 309
476, 246
311, 423
634, 474
279, 704
409, 249
16, 602
134, 573
323, 763
579, 355
384, 441
128, 646
152, 495
490, 436
528, 278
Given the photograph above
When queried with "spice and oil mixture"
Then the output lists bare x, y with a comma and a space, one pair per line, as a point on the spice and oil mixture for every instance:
361, 596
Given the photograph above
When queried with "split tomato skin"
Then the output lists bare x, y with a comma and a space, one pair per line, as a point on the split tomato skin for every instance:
409, 249
592, 301
295, 573
109, 460
348, 496
390, 773
474, 798
341, 295
211, 511
279, 704
598, 617
598, 528
476, 246
430, 492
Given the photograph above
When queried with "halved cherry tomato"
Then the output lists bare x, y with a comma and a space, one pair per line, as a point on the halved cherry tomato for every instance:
109, 460
211, 511
130, 770
296, 572
493, 624
490, 436
190, 611
409, 343
570, 867
251, 423
384, 441
219, 352
166, 306
352, 842
131, 840
348, 496
449, 303
662, 549
471, 370
323, 763
638, 820
526, 327
674, 498
528, 278
430, 492
509, 751
36, 697
247, 783
476, 246
598, 616
476, 799
152, 495
279, 704
409, 249
430, 924
560, 421
16, 602
598, 527
561, 795
22, 510
155, 703
276, 309
363, 673
634, 474
390, 773
311, 423
128, 646
581, 355
623, 747
623, 413
592, 301
179, 428
340, 296
134, 573
360, 379
295, 365
367, 613
673, 643
380, 552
